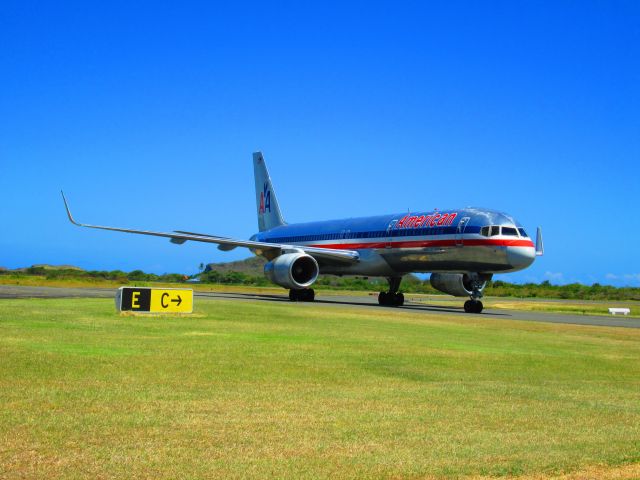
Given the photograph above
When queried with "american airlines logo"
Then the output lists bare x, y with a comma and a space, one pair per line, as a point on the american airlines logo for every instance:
265, 200
422, 221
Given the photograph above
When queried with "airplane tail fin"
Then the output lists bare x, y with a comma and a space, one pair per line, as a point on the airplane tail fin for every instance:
269, 215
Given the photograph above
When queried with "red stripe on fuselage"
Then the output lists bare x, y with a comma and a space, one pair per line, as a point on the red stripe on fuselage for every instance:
428, 243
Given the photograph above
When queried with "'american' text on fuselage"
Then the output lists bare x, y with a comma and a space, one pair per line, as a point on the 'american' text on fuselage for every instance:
421, 221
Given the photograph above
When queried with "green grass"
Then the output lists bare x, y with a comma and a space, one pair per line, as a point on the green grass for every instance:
257, 390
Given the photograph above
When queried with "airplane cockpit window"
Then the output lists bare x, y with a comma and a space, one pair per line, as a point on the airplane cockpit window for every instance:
523, 233
493, 230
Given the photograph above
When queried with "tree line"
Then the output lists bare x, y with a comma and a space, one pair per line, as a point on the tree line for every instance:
410, 283
113, 275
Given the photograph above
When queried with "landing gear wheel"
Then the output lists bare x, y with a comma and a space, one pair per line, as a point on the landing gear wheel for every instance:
473, 306
389, 299
382, 298
306, 295
392, 298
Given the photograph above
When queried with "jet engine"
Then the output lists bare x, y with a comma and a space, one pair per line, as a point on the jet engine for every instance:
292, 270
457, 284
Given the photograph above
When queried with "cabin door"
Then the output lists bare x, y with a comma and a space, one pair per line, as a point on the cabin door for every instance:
389, 234
462, 224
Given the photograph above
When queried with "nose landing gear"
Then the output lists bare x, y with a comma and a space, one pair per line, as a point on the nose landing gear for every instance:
473, 306
392, 298
477, 286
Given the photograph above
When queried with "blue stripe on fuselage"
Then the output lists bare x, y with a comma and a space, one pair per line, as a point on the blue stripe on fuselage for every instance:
377, 227
412, 232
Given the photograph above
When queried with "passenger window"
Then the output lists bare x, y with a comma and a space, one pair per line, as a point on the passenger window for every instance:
509, 231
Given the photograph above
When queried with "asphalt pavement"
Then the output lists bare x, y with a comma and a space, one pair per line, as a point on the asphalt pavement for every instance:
359, 301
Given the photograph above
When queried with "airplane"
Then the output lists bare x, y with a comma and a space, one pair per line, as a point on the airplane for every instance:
461, 248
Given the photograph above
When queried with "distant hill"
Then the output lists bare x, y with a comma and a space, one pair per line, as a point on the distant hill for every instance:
251, 266
254, 266
45, 266
56, 267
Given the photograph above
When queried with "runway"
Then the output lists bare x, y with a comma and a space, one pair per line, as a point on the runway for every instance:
360, 301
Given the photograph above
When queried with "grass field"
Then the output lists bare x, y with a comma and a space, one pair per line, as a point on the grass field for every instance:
257, 390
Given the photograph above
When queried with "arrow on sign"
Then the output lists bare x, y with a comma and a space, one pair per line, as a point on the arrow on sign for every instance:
173, 300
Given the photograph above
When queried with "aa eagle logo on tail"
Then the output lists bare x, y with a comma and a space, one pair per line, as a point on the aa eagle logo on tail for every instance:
265, 200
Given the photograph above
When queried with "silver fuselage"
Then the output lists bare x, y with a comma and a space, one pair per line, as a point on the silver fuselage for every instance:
391, 245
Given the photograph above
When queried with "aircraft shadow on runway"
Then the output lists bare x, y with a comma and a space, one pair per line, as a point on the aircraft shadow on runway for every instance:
341, 301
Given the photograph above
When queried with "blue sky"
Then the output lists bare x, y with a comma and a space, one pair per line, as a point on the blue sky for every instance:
147, 114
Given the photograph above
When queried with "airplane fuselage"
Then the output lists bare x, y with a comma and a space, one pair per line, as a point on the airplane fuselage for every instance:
461, 240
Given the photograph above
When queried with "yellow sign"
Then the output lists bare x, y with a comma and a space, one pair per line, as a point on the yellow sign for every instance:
155, 300
172, 300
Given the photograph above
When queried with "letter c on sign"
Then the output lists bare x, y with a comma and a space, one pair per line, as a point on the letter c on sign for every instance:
165, 294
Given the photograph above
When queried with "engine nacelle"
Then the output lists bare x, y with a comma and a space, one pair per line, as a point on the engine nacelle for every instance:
292, 270
456, 284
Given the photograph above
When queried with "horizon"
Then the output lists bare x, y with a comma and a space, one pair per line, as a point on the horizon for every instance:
147, 115
424, 277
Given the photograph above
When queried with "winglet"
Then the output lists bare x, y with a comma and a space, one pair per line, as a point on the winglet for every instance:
539, 243
66, 205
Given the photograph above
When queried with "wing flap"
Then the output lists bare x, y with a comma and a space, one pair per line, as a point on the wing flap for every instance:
222, 247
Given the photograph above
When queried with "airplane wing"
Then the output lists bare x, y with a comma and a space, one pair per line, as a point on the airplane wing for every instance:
268, 250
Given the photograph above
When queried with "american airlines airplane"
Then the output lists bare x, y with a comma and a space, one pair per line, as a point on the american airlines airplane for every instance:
461, 248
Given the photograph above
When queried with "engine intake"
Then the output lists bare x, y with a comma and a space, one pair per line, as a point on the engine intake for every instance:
292, 270
456, 284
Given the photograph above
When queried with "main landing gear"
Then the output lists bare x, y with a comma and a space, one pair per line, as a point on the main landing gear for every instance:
392, 298
305, 295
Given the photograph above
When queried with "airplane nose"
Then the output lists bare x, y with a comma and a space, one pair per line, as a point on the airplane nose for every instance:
520, 257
